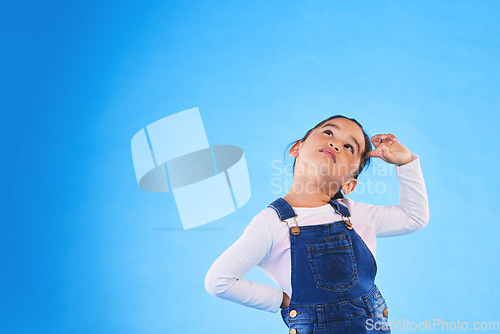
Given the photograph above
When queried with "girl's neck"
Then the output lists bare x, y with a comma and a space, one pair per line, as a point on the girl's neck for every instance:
306, 200
308, 192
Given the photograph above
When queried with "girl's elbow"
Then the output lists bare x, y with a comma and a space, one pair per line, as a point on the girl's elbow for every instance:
422, 220
426, 221
425, 217
215, 284
417, 222
210, 284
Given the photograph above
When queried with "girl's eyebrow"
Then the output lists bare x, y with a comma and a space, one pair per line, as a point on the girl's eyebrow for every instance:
338, 127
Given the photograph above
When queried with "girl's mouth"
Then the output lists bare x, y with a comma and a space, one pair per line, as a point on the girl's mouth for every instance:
330, 153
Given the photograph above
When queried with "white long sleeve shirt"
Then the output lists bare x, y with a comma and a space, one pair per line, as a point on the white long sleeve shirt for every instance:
265, 241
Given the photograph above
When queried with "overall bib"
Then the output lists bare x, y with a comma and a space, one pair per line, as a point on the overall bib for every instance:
333, 278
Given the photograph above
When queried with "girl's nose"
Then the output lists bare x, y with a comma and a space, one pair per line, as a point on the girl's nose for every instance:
335, 147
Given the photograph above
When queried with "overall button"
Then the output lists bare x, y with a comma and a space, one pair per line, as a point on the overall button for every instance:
293, 331
385, 313
293, 313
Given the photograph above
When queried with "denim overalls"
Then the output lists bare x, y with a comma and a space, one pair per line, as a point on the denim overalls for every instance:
333, 278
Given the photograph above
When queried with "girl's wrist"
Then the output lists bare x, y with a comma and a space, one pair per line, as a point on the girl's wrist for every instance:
410, 159
285, 302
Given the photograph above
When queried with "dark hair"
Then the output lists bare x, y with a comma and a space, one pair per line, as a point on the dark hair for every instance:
365, 161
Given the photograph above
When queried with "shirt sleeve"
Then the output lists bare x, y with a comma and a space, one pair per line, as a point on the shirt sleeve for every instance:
224, 278
412, 213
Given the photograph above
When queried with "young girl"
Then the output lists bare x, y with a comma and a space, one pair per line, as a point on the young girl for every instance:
318, 246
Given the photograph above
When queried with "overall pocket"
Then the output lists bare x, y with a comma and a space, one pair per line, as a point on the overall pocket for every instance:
333, 264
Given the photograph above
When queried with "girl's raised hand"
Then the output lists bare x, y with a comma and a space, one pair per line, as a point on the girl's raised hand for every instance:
389, 149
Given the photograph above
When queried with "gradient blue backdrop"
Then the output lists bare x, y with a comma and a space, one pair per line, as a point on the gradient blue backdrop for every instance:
84, 250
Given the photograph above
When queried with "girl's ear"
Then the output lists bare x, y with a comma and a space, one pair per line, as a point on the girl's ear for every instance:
294, 152
349, 186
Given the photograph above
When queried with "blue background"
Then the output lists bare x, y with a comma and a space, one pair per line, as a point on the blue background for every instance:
85, 250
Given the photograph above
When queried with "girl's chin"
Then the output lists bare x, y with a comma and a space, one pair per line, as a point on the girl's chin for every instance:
326, 169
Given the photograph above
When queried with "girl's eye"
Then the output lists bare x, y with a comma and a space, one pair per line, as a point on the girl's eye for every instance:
328, 132
351, 148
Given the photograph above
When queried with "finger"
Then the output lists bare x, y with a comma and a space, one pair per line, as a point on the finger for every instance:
392, 137
384, 138
372, 154
377, 139
375, 153
387, 140
385, 152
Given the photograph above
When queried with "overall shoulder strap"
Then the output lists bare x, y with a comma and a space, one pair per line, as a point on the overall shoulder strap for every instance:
342, 209
282, 208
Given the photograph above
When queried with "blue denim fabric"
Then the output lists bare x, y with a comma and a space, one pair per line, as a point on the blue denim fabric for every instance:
333, 279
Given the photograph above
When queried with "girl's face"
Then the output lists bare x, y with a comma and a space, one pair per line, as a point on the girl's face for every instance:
332, 151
